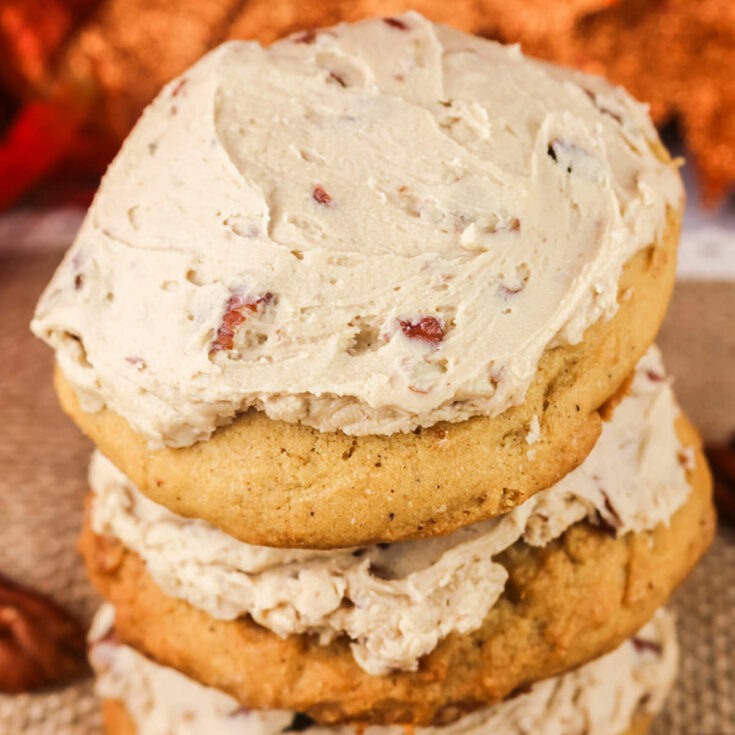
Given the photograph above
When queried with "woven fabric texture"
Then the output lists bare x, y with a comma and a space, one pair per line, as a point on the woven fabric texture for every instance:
43, 463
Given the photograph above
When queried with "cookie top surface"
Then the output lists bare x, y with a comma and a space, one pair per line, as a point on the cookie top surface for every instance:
370, 228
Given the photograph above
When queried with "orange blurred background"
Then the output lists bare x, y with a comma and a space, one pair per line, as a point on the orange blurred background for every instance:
75, 74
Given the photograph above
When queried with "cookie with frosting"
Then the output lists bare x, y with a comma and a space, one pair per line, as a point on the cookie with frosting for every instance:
616, 694
417, 631
385, 258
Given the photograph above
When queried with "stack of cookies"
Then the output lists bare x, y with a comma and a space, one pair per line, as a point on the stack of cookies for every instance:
361, 325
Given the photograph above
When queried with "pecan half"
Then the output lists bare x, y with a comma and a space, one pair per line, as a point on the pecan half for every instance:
40, 643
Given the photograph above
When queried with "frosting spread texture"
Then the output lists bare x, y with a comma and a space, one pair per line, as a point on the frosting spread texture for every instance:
397, 601
600, 698
371, 228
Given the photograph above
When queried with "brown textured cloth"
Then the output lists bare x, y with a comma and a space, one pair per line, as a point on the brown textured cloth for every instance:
43, 462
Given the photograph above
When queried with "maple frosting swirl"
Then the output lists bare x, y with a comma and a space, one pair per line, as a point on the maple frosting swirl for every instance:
369, 228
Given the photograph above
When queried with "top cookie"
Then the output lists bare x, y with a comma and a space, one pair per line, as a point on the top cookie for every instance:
369, 229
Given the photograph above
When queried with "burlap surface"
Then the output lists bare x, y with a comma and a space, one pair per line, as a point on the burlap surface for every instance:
42, 484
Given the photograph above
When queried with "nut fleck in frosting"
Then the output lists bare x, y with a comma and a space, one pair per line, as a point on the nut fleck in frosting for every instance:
374, 229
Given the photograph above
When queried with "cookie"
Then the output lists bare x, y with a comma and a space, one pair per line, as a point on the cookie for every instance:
395, 602
604, 697
340, 233
278, 484
565, 603
275, 234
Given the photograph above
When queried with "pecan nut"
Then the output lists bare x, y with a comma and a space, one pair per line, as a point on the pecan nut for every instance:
40, 643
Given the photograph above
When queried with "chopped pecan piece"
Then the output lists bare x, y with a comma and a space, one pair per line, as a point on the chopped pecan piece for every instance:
233, 317
321, 196
643, 644
306, 37
40, 643
604, 525
240, 712
655, 377
428, 329
179, 86
617, 521
506, 292
395, 23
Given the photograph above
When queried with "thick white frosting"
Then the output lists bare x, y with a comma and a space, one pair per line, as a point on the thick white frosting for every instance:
380, 229
404, 597
600, 698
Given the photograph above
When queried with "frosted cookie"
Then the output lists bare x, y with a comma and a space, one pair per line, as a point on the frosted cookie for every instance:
306, 253
418, 630
613, 695
395, 602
